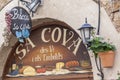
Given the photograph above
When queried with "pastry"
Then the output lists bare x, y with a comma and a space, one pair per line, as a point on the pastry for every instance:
70, 64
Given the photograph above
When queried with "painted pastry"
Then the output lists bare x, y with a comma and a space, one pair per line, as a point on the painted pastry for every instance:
70, 64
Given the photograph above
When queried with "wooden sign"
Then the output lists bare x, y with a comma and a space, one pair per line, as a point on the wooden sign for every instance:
52, 44
52, 49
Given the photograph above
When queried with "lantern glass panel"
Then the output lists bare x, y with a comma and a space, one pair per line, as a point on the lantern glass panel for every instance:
87, 33
83, 35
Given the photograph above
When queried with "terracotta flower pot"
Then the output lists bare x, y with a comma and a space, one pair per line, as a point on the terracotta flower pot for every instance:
107, 58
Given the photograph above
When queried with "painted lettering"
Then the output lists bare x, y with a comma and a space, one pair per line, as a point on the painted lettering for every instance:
58, 37
65, 40
43, 50
17, 14
55, 35
51, 57
20, 26
30, 42
22, 51
43, 34
75, 45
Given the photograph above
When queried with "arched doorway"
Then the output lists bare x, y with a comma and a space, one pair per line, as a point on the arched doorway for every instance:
53, 46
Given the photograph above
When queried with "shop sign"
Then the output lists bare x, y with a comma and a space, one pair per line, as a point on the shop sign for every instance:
51, 50
52, 44
20, 22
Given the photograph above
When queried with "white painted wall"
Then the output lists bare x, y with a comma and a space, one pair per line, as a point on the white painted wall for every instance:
2, 18
73, 12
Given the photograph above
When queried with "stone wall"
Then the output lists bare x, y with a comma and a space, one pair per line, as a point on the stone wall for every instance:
113, 10
3, 3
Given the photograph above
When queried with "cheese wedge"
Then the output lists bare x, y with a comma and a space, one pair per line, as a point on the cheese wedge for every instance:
59, 65
29, 71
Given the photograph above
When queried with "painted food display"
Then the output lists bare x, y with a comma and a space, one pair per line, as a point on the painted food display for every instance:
59, 68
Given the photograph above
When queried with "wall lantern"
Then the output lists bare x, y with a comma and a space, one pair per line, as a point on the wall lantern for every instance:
32, 6
86, 32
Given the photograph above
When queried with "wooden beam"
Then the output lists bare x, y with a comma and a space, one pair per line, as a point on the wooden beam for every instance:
115, 11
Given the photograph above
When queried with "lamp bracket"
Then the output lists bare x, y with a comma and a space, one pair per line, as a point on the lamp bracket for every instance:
32, 6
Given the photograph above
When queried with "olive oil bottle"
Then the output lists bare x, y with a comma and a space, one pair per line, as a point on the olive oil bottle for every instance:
14, 68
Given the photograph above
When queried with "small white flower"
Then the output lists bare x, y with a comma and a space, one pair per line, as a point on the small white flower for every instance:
97, 35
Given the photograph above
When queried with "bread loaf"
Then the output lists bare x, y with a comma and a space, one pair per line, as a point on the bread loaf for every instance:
22, 69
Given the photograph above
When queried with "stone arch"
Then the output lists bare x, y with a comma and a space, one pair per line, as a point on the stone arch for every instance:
37, 23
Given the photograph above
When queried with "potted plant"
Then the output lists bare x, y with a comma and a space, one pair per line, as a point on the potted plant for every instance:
104, 50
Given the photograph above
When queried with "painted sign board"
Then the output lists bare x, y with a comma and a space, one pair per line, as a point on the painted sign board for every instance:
57, 49
20, 22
